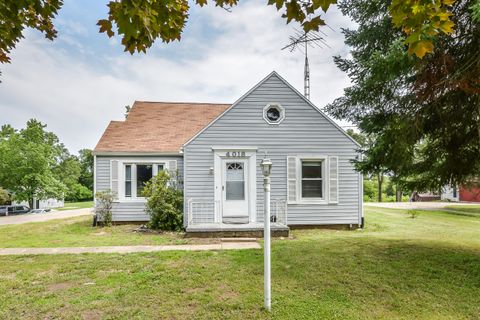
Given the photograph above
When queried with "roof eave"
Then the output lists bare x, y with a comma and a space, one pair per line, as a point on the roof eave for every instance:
136, 153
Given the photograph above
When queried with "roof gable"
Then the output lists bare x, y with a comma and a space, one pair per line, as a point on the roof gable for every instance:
295, 91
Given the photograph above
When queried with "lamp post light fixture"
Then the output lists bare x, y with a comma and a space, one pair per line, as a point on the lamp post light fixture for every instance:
266, 166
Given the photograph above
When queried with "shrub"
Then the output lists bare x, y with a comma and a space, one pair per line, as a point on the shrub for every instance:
4, 196
164, 202
413, 213
103, 206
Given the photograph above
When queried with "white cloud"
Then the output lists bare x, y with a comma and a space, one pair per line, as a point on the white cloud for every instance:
220, 57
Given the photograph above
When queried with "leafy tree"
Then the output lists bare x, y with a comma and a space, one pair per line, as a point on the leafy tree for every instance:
27, 159
79, 192
424, 114
86, 164
4, 196
164, 203
358, 136
68, 172
141, 22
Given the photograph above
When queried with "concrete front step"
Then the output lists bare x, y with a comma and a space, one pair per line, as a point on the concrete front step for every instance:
236, 220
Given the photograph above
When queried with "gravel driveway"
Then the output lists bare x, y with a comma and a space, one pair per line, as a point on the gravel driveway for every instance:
26, 218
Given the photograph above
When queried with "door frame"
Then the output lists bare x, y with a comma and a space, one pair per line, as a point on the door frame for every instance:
222, 153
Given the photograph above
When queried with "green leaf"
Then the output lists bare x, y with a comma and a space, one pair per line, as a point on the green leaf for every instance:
313, 24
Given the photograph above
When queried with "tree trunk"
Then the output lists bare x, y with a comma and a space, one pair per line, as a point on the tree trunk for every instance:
30, 203
399, 194
380, 182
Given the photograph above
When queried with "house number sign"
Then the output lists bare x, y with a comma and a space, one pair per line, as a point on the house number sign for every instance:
235, 154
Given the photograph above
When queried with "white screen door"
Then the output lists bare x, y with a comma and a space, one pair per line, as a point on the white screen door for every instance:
235, 188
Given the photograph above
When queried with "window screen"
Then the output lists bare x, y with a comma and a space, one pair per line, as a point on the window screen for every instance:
312, 180
128, 181
235, 182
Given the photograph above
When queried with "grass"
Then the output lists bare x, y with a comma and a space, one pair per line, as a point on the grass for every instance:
76, 205
472, 210
78, 232
397, 268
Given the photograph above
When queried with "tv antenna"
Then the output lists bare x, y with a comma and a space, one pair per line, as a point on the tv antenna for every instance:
301, 40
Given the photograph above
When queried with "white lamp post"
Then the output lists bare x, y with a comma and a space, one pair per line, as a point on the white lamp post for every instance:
266, 166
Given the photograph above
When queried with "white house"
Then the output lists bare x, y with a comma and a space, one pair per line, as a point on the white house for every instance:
42, 204
217, 149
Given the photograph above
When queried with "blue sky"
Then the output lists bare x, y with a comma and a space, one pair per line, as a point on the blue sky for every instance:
82, 80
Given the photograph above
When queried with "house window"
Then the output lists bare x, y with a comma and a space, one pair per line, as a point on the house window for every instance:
312, 179
159, 167
136, 175
128, 181
273, 113
144, 174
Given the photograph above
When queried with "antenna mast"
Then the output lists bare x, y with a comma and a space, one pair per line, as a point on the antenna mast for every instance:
306, 75
312, 39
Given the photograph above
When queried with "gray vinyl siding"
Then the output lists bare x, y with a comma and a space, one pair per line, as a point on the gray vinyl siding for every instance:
126, 211
303, 131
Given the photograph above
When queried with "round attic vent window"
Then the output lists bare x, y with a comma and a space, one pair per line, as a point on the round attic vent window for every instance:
273, 113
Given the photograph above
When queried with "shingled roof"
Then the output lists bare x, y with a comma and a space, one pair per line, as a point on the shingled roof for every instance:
161, 127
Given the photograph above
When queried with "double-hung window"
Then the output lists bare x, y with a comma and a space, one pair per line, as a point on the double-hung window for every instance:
128, 181
312, 179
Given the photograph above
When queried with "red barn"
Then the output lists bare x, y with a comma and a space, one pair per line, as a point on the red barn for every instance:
470, 193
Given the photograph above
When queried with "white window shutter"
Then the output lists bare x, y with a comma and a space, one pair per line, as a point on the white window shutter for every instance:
172, 169
333, 179
114, 177
292, 179
172, 166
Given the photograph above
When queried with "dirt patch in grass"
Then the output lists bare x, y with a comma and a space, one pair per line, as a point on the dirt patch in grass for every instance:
61, 286
226, 293
91, 315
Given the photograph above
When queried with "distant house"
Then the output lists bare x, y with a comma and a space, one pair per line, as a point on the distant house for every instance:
217, 149
466, 193
42, 204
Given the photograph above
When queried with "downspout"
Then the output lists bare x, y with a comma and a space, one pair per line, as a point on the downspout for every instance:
94, 188
185, 209
360, 198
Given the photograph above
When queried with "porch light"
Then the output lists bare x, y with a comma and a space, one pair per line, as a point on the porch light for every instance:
266, 166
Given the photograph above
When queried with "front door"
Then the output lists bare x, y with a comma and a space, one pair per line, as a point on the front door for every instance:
235, 188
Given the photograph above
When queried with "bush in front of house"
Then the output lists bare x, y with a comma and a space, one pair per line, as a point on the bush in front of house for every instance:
164, 202
103, 206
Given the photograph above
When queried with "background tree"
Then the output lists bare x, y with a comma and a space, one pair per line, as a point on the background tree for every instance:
424, 114
27, 159
85, 156
76, 173
4, 196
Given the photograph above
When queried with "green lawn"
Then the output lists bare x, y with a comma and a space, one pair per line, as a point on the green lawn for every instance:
397, 268
472, 210
76, 205
78, 232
